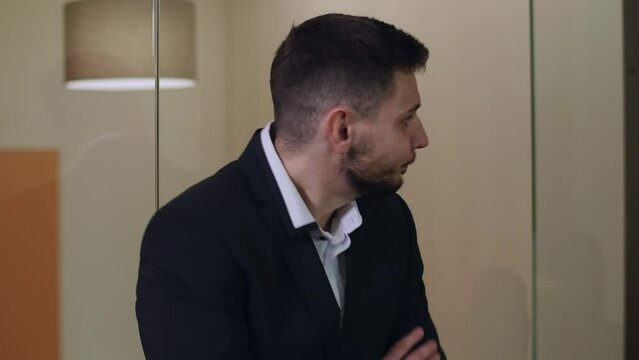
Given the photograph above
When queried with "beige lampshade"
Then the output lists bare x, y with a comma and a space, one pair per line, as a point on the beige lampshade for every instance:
109, 45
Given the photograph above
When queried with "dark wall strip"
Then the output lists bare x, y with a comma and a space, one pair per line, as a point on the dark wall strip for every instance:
631, 59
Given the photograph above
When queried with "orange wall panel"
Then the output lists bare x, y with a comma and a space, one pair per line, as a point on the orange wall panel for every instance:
29, 298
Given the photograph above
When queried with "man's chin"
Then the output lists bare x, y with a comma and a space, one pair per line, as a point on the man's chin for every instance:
377, 188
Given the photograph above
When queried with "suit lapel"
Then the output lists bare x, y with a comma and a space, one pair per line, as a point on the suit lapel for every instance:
357, 304
307, 270
368, 292
296, 245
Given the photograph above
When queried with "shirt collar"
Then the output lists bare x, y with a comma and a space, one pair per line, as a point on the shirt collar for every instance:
297, 209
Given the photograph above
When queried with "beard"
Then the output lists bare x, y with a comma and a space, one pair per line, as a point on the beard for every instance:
369, 179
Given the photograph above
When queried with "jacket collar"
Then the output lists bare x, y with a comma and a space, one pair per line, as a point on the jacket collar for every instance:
258, 171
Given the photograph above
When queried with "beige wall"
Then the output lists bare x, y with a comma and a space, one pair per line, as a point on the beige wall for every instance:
470, 190
580, 195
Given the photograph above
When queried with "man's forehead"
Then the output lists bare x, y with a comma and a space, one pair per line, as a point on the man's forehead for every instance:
406, 92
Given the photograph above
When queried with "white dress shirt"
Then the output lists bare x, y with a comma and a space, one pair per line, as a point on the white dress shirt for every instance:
331, 244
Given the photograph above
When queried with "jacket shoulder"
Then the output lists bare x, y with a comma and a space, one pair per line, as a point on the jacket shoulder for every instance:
212, 200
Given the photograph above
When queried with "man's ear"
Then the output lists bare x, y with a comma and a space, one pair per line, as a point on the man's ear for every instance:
339, 127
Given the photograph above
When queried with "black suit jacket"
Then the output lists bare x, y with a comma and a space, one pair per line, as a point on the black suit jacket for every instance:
224, 275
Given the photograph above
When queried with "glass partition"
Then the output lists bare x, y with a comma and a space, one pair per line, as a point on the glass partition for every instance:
579, 179
76, 188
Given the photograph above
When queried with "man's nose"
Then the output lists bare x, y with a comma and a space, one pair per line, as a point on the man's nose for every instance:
420, 139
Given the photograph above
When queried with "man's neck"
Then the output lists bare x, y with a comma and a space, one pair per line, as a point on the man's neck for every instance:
318, 181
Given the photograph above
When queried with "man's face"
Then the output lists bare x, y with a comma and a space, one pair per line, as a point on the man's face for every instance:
386, 144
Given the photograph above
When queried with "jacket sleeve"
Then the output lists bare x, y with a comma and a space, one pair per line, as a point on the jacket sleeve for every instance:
189, 294
414, 304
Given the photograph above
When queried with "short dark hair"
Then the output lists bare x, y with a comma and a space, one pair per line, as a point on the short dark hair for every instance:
337, 59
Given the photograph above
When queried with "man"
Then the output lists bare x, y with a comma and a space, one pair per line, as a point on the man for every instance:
301, 249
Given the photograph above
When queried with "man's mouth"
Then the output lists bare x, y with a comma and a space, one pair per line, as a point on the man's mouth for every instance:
412, 160
405, 166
